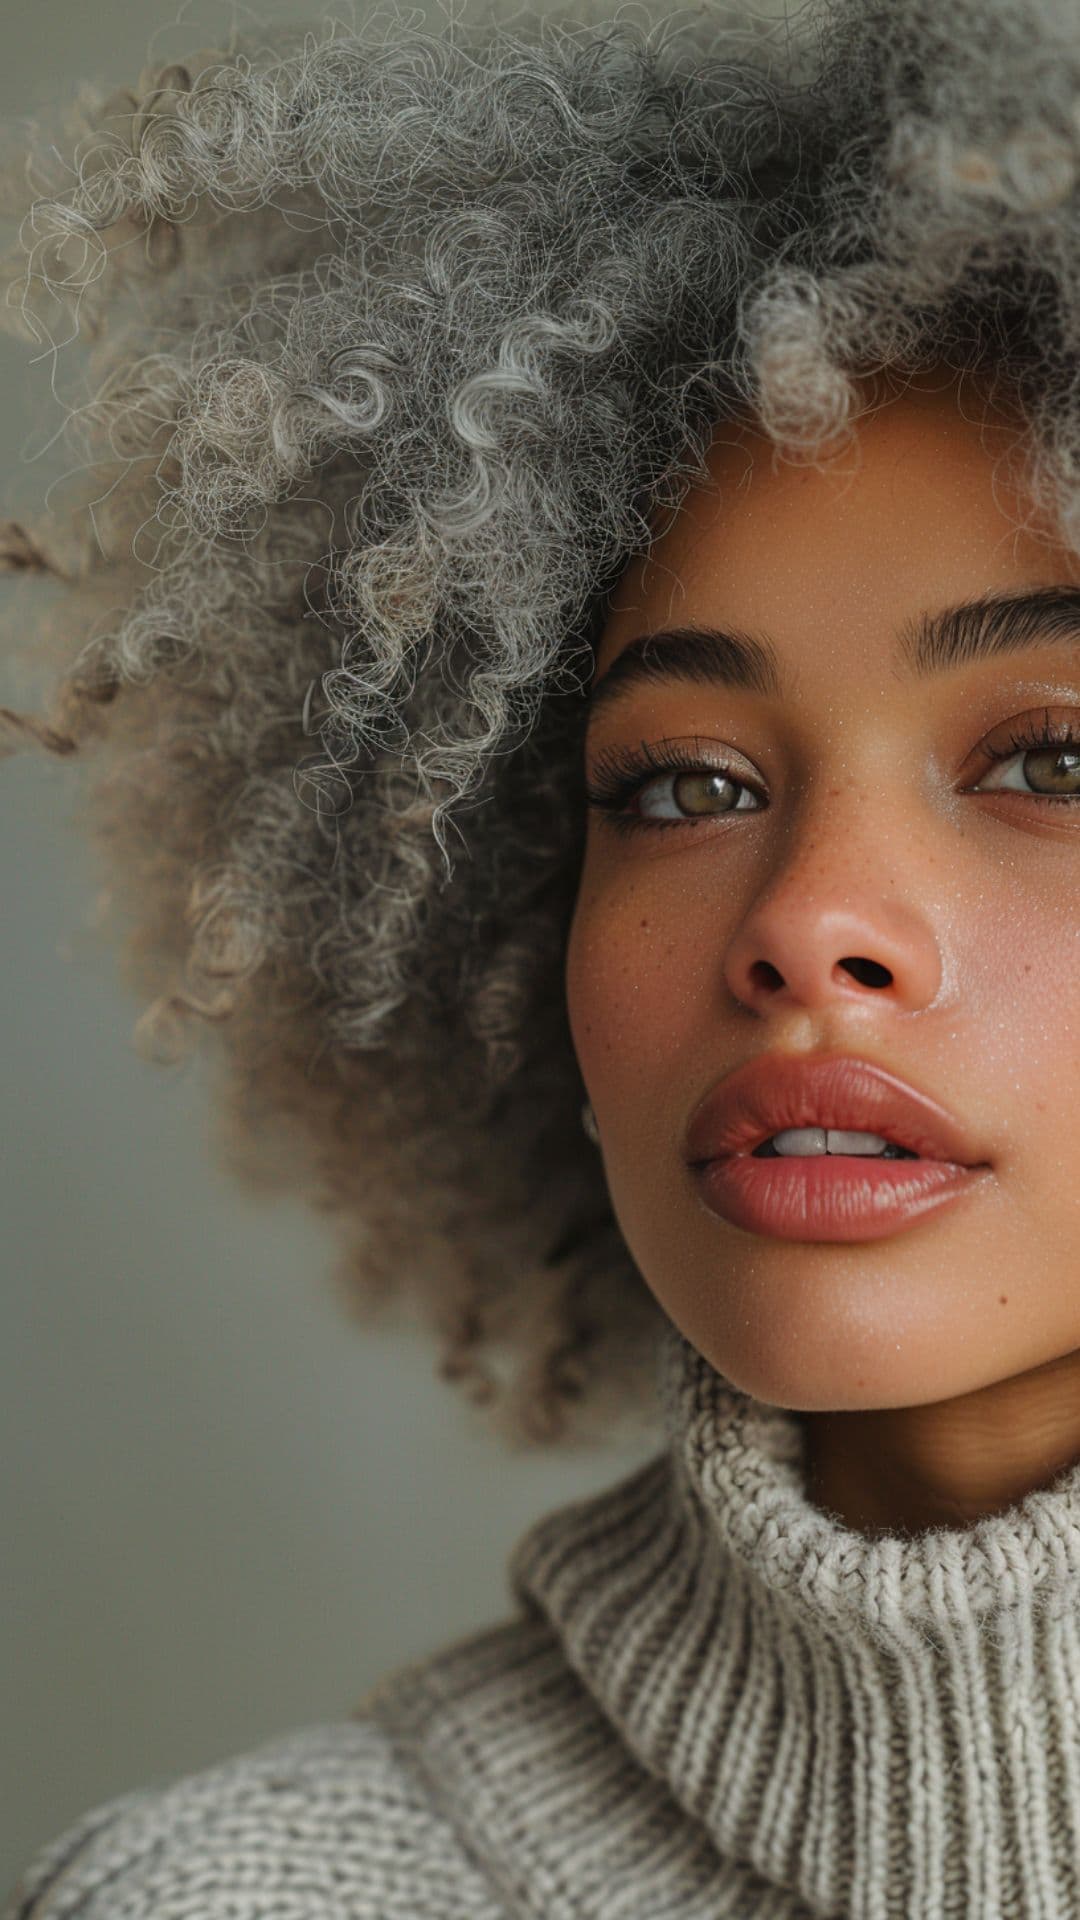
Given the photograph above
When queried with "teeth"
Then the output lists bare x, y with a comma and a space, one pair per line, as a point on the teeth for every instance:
795, 1140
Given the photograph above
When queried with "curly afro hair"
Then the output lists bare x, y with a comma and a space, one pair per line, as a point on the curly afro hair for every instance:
400, 344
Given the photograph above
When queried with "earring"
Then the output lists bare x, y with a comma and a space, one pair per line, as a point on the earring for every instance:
588, 1121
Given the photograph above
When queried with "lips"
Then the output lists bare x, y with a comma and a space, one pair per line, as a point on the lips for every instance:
778, 1090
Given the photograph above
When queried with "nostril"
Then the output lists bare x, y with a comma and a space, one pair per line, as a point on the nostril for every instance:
868, 972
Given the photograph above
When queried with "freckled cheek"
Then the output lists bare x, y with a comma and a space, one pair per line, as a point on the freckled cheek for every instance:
642, 986
1020, 972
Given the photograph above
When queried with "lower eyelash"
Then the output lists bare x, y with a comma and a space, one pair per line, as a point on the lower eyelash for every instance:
624, 771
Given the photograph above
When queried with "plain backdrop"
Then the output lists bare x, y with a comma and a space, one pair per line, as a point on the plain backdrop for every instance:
225, 1511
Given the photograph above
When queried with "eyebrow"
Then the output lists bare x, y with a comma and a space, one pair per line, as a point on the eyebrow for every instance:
927, 644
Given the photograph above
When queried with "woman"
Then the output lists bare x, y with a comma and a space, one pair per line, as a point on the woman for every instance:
515, 453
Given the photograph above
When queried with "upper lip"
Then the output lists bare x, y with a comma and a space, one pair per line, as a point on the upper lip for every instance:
778, 1090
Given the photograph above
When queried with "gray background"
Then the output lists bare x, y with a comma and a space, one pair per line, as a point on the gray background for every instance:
226, 1512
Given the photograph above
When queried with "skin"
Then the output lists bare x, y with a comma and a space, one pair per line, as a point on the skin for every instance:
937, 1369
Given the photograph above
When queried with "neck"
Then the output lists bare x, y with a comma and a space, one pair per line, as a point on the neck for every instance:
910, 1469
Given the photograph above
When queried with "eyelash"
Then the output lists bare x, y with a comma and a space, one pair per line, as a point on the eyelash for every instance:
622, 772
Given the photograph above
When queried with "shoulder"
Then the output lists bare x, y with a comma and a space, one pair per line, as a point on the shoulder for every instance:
327, 1822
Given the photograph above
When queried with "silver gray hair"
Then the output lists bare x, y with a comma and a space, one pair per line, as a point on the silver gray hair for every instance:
401, 344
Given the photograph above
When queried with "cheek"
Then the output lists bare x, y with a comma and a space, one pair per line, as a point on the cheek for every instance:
642, 983
1020, 971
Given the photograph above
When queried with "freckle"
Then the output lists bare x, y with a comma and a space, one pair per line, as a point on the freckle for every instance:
1004, 1299
644, 923
1027, 968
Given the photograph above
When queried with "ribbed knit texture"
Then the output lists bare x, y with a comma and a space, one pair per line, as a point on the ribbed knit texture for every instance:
715, 1701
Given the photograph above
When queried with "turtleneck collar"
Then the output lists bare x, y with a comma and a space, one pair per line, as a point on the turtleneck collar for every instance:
875, 1726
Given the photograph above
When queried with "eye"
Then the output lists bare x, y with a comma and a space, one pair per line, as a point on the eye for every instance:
1048, 753
703, 789
691, 788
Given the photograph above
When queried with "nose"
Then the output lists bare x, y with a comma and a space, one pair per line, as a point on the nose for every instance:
833, 942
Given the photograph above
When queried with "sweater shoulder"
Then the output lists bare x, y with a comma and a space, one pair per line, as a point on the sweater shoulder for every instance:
327, 1820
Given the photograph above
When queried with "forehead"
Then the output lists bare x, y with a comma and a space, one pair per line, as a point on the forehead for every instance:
919, 507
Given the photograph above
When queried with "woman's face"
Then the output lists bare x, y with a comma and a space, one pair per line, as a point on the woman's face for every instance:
715, 930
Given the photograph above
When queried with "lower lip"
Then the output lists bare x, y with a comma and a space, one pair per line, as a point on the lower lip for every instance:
830, 1196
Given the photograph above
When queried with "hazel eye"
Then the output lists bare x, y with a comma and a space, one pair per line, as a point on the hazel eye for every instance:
705, 794
640, 789
1054, 765
644, 789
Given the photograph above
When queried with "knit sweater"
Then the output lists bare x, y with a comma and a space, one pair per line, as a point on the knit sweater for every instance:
712, 1699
